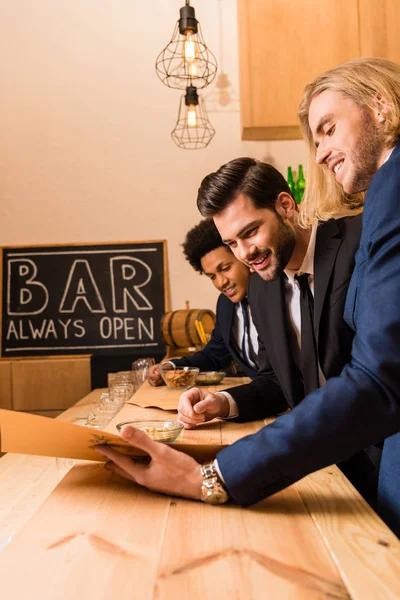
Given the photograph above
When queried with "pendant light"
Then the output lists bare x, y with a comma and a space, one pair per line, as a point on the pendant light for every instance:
192, 130
186, 60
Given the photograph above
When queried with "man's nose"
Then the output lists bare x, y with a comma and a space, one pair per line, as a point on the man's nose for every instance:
322, 153
243, 251
221, 281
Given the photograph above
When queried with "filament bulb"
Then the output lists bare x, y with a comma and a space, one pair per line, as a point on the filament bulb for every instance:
192, 116
192, 70
189, 48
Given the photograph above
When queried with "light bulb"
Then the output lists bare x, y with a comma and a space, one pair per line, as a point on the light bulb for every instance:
192, 69
186, 58
189, 48
191, 116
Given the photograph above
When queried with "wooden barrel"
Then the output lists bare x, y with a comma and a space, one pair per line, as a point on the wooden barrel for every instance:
178, 327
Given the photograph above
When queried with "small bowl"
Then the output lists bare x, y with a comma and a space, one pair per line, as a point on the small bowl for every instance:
181, 378
160, 431
210, 377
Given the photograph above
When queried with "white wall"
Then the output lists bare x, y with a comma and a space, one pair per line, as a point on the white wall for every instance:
85, 147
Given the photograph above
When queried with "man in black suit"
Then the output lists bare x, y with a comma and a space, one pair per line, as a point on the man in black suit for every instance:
205, 251
257, 217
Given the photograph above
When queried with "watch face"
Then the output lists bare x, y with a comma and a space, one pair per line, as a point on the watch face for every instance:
212, 492
220, 496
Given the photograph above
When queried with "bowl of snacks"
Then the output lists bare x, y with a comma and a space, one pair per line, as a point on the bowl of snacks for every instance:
160, 431
210, 377
181, 378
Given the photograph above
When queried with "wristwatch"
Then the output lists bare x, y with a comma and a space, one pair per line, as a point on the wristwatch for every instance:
212, 488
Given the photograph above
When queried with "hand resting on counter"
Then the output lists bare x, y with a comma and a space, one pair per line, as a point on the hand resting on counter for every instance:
198, 406
154, 376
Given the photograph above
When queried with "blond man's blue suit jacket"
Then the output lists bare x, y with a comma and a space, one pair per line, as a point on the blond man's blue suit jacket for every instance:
361, 406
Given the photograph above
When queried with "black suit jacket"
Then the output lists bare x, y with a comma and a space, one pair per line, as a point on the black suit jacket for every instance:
220, 351
279, 385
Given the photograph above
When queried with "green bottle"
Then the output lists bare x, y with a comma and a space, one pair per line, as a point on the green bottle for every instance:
301, 184
290, 181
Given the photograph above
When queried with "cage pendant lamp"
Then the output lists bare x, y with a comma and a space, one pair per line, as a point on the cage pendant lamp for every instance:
186, 60
192, 130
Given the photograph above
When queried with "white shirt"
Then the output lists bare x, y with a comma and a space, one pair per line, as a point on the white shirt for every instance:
292, 295
238, 330
389, 155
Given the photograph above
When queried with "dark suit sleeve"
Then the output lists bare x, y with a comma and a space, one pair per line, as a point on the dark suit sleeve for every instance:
215, 355
263, 397
361, 406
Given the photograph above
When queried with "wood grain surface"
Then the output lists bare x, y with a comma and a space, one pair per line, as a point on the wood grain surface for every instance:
98, 536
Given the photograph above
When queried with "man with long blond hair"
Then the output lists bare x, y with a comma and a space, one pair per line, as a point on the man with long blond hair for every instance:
351, 119
365, 82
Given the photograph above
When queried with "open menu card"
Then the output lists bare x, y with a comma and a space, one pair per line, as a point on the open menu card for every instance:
23, 433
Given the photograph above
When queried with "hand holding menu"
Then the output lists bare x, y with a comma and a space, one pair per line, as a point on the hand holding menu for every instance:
23, 433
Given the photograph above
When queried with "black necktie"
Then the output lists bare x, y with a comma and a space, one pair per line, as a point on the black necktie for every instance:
246, 333
309, 356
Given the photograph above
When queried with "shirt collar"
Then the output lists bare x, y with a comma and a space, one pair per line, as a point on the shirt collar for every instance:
307, 266
389, 155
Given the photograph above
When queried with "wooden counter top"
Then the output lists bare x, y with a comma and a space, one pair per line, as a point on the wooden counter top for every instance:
98, 536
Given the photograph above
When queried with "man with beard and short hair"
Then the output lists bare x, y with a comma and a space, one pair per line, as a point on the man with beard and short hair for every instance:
362, 405
257, 218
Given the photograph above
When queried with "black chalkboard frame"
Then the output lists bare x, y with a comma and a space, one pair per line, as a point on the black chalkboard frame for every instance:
89, 248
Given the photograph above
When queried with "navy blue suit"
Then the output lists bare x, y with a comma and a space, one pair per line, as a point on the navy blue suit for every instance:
220, 350
361, 406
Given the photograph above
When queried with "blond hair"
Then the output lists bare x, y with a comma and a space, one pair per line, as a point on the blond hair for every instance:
363, 80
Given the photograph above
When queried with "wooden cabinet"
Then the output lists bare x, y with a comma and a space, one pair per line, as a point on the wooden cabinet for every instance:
283, 45
46, 385
379, 29
5, 385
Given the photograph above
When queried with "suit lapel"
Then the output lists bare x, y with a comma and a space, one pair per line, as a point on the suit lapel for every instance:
327, 245
230, 315
227, 330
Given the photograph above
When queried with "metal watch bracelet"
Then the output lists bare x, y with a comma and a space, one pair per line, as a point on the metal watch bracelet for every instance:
212, 489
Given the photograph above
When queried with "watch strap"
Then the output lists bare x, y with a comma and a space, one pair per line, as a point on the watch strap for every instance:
212, 489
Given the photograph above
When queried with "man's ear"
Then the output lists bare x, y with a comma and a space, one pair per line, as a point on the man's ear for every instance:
380, 108
285, 205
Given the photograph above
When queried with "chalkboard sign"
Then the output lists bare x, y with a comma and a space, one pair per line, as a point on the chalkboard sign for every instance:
83, 299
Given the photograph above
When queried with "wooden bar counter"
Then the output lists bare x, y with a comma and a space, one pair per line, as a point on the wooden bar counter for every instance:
78, 531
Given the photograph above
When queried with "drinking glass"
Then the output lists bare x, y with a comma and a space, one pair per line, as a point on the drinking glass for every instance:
109, 405
121, 376
141, 368
98, 421
121, 386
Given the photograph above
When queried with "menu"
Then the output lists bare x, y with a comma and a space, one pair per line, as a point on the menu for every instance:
23, 433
